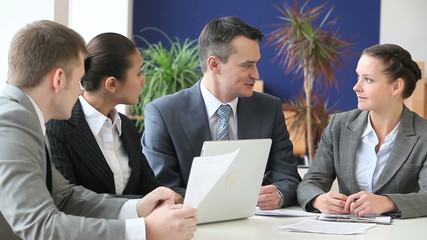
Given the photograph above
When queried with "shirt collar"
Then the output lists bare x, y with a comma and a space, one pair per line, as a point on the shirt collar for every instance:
96, 120
369, 129
212, 103
39, 115
391, 136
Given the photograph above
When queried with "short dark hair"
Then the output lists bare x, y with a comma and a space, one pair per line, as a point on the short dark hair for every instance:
398, 64
108, 56
38, 48
215, 38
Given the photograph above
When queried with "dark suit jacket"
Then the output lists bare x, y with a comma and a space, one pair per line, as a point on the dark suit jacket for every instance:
76, 154
71, 212
177, 125
403, 179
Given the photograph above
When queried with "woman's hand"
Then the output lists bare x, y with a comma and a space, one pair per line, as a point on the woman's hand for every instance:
366, 203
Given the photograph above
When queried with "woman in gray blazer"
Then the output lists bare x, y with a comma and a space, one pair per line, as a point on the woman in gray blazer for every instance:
377, 152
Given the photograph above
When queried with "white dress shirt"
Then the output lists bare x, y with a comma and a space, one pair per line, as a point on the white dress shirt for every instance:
107, 132
134, 226
369, 164
212, 104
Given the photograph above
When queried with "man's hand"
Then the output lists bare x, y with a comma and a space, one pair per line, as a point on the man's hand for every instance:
155, 199
331, 202
178, 199
366, 203
171, 222
268, 198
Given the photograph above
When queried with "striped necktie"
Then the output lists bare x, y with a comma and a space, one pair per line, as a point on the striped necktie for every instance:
224, 112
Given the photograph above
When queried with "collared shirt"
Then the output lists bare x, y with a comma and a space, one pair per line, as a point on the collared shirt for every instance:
212, 104
39, 115
107, 132
369, 164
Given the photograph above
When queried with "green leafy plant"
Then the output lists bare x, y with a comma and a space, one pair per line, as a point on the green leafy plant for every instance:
166, 69
310, 49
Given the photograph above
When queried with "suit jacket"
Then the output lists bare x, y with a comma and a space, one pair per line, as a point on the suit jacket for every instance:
403, 179
77, 155
177, 125
25, 203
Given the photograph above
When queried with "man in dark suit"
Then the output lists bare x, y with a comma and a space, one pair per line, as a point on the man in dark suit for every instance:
177, 125
36, 202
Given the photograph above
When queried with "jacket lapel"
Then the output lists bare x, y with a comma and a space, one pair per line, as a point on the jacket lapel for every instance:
350, 140
404, 142
132, 151
245, 124
80, 137
194, 120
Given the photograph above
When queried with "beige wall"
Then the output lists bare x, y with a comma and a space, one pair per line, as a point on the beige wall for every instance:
14, 14
403, 23
87, 17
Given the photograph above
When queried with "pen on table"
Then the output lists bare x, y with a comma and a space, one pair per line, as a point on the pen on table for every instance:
355, 220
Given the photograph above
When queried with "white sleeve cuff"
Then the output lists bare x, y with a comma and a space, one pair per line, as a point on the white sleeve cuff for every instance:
129, 210
135, 229
135, 226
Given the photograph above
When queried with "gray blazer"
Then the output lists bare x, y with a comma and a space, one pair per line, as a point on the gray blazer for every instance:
26, 205
177, 125
403, 179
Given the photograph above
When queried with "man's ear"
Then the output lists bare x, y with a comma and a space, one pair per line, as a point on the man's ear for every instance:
58, 79
213, 64
110, 84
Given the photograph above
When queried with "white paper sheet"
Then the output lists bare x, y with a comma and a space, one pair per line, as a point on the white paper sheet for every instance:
284, 213
205, 172
316, 226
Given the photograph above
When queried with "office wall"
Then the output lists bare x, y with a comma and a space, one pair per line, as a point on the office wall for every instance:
403, 23
186, 18
88, 18
370, 21
13, 16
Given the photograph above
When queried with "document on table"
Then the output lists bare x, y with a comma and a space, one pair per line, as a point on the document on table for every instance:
355, 219
316, 226
284, 213
205, 172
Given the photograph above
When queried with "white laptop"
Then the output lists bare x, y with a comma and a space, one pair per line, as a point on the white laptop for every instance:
235, 194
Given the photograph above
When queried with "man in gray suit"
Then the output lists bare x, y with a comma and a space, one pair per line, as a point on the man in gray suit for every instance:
177, 125
36, 202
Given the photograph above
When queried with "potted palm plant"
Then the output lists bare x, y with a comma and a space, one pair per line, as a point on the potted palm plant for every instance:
166, 69
309, 47
319, 115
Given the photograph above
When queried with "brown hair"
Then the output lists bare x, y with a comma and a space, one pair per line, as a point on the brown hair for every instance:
398, 64
38, 48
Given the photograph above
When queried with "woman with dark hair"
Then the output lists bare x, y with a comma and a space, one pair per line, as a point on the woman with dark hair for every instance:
377, 152
98, 147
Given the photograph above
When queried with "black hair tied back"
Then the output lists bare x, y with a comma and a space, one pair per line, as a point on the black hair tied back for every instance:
85, 83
